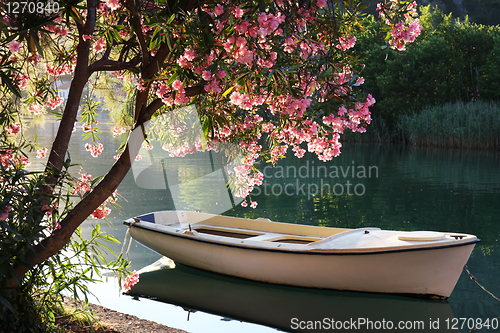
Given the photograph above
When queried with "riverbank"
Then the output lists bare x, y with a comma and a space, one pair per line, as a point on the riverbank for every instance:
111, 321
474, 125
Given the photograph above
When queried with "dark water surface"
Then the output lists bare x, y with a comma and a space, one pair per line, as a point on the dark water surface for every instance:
391, 187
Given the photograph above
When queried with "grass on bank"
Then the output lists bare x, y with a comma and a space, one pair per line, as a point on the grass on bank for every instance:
456, 125
72, 318
473, 125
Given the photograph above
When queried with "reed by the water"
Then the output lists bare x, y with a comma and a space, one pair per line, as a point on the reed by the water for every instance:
473, 125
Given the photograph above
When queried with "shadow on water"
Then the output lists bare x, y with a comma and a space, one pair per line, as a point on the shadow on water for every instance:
287, 308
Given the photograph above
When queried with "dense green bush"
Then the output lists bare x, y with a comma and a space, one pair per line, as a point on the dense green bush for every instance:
450, 62
489, 81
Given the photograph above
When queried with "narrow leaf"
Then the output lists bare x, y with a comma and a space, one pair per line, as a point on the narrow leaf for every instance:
227, 91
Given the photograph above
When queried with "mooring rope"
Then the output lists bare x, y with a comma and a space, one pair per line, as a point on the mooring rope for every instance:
129, 244
125, 242
475, 280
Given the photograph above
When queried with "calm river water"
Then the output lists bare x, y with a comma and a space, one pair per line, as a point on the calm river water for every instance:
386, 186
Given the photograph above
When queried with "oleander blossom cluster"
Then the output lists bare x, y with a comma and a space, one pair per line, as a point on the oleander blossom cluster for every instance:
116, 131
82, 185
13, 129
95, 149
41, 153
8, 159
404, 31
130, 281
4, 213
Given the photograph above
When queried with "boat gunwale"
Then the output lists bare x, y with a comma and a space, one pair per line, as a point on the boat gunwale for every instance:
313, 251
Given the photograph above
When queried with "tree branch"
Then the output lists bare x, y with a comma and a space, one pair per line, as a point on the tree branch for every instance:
138, 32
111, 65
157, 103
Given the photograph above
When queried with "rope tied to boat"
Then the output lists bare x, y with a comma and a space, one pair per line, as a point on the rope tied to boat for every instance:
472, 277
125, 243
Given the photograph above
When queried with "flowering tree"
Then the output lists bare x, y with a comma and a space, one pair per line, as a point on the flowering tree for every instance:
270, 75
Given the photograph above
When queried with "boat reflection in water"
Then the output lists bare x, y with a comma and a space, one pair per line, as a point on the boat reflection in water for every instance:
290, 309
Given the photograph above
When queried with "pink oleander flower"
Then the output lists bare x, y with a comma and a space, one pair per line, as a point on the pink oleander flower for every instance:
118, 131
57, 30
55, 225
53, 103
299, 152
113, 197
218, 10
177, 85
35, 108
244, 204
15, 46
130, 281
346, 43
112, 4
140, 85
221, 74
82, 185
238, 12
95, 149
206, 75
5, 213
13, 129
147, 145
41, 153
213, 86
99, 45
101, 212
321, 3
21, 80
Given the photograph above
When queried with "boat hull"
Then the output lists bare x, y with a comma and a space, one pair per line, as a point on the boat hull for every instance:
428, 271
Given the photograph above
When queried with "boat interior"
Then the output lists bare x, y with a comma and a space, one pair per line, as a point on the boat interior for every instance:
262, 232
246, 230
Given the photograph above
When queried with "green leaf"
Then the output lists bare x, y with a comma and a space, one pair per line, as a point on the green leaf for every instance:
7, 82
153, 41
171, 18
169, 43
270, 78
172, 79
6, 304
227, 91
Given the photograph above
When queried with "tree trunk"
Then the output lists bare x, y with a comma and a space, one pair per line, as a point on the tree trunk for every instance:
81, 75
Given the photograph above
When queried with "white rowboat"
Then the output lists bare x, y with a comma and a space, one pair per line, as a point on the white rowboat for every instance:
366, 259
